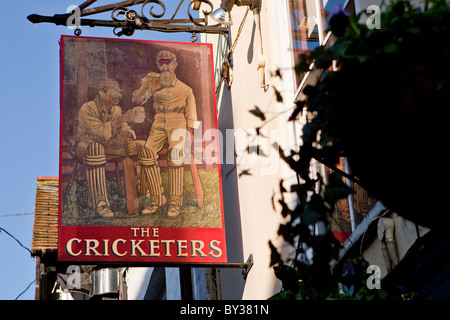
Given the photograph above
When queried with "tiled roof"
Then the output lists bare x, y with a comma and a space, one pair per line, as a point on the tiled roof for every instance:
45, 227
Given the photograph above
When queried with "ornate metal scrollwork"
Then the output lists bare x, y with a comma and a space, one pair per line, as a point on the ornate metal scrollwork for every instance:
118, 11
205, 13
154, 15
125, 17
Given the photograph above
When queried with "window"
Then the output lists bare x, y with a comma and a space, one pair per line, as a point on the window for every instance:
309, 24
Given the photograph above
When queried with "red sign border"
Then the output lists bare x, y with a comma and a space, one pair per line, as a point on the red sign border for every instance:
190, 251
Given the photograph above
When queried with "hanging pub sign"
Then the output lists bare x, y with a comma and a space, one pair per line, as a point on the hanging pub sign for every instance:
140, 177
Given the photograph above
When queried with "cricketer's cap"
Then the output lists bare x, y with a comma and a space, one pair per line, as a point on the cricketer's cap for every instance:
165, 56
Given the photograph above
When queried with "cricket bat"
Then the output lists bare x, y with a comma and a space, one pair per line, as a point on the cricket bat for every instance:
195, 176
130, 186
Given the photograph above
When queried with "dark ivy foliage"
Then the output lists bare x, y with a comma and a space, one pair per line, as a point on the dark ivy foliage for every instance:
386, 107
353, 111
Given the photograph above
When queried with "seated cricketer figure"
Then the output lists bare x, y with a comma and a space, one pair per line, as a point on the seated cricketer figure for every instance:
102, 129
176, 112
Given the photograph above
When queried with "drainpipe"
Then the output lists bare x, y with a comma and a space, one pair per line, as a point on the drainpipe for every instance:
386, 234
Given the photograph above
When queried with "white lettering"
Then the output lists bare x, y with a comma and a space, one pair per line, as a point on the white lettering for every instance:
215, 252
115, 250
91, 246
69, 247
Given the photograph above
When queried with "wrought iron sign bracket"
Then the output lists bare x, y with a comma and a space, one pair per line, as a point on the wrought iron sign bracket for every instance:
244, 266
126, 20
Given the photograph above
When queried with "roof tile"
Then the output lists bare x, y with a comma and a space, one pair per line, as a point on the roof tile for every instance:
45, 228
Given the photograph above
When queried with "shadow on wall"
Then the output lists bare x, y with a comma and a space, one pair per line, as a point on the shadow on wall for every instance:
231, 280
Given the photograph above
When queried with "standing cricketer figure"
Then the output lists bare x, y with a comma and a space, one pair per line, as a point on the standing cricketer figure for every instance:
176, 113
102, 129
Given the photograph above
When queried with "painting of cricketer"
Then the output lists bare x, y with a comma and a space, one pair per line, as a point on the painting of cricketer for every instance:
101, 131
176, 112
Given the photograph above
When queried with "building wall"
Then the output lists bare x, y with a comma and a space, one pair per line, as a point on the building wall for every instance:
405, 235
250, 219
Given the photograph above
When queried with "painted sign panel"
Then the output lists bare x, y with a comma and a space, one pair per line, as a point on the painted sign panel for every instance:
140, 177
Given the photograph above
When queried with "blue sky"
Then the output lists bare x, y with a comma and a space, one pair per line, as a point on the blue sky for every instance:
29, 132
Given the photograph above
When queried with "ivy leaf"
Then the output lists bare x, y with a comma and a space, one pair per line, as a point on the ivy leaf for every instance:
338, 21
245, 172
301, 190
304, 61
336, 188
258, 113
362, 57
289, 278
297, 110
302, 166
289, 232
308, 217
310, 90
257, 150
314, 210
301, 67
323, 58
285, 211
310, 130
259, 133
275, 257
278, 95
277, 73
413, 30
273, 201
340, 48
282, 188
391, 47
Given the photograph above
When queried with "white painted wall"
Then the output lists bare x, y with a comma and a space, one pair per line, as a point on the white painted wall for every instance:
137, 280
250, 219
